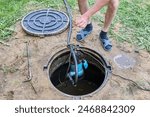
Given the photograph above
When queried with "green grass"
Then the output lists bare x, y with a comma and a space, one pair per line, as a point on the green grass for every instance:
9, 12
133, 16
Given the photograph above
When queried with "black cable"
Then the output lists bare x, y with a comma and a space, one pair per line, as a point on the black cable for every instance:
76, 68
70, 46
69, 61
70, 21
139, 87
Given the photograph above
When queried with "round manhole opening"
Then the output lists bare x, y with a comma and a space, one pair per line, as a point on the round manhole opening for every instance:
45, 22
94, 79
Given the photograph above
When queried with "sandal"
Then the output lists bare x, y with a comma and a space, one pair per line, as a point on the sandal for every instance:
82, 34
106, 44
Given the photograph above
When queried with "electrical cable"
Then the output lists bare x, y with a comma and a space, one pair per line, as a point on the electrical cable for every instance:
70, 46
76, 68
70, 22
139, 87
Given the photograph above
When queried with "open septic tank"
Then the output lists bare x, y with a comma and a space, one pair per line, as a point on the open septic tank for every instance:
87, 75
94, 79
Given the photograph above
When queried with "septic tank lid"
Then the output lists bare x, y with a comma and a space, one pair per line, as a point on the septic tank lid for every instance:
45, 22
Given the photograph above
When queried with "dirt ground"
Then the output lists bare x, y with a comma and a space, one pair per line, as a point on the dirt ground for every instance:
13, 67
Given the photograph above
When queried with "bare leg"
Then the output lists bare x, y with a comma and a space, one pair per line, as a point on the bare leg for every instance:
83, 6
110, 14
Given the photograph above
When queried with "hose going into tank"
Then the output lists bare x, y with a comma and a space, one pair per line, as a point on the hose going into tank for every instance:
69, 45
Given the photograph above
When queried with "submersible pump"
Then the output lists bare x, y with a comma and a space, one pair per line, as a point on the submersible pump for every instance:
82, 65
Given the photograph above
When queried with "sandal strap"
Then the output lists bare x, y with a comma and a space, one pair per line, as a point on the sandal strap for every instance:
106, 42
83, 33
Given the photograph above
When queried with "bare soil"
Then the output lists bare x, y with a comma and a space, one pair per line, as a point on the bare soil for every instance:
13, 67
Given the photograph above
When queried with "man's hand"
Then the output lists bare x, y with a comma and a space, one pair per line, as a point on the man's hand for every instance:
82, 21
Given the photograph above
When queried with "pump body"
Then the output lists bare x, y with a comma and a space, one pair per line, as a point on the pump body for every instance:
82, 66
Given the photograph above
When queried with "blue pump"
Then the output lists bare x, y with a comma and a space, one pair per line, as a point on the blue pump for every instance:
83, 65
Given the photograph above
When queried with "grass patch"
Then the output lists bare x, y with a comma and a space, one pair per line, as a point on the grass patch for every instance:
8, 69
13, 10
9, 12
135, 19
132, 19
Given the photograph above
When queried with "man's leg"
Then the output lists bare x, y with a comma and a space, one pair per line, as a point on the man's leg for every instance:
83, 6
110, 14
82, 34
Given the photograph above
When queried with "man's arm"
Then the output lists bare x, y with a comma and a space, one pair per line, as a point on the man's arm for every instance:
83, 20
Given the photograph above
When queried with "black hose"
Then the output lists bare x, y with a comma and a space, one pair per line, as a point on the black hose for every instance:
70, 21
70, 46
76, 63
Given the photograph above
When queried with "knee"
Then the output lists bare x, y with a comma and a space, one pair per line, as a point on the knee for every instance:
114, 5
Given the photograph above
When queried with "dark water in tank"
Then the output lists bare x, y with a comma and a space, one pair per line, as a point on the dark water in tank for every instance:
93, 78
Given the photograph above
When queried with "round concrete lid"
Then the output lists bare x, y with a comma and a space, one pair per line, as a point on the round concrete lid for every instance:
45, 22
